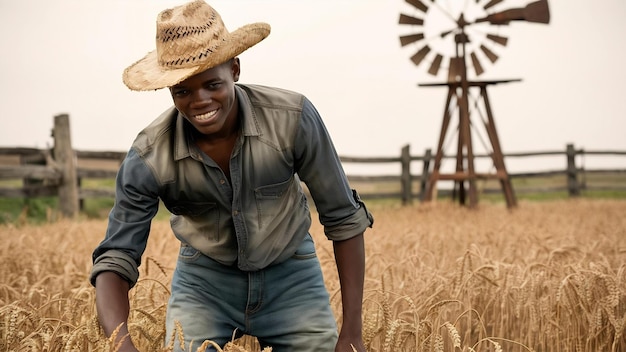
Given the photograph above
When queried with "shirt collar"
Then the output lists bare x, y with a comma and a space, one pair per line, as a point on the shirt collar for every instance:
183, 143
249, 122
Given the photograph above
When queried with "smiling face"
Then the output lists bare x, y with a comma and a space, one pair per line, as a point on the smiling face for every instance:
208, 101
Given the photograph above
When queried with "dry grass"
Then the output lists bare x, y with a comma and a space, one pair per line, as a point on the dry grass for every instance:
544, 277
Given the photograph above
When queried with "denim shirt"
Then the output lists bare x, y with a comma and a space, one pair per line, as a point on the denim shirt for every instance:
257, 218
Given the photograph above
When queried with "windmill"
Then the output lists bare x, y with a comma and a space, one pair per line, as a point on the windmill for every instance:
463, 36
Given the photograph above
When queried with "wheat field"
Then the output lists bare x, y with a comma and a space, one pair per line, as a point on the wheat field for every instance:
546, 276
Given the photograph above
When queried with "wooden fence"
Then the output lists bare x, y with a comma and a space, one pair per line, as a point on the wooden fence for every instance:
59, 171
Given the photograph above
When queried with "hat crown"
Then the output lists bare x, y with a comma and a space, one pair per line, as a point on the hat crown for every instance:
187, 35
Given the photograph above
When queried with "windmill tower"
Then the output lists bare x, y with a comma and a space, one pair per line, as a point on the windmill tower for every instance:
460, 36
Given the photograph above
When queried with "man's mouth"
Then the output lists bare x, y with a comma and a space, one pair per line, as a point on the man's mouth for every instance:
206, 116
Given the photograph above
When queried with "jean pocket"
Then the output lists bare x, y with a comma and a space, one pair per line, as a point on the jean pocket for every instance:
306, 250
187, 253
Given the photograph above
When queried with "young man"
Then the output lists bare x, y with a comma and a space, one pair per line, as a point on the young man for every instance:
227, 161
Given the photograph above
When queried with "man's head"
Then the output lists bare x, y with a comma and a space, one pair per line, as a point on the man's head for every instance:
208, 99
190, 39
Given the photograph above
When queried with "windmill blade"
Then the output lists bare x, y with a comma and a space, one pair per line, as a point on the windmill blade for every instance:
490, 54
408, 39
420, 55
478, 68
418, 5
492, 3
406, 19
536, 12
434, 67
498, 39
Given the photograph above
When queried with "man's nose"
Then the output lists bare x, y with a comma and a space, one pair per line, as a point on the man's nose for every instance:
201, 97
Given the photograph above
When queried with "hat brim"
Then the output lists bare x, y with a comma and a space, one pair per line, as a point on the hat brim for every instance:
147, 74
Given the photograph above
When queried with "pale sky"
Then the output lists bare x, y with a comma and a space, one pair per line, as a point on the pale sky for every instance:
67, 56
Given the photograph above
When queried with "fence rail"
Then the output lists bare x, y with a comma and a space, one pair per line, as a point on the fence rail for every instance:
59, 171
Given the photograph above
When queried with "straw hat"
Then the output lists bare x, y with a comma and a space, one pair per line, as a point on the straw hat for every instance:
190, 39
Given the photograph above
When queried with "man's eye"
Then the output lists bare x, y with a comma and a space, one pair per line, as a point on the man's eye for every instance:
181, 92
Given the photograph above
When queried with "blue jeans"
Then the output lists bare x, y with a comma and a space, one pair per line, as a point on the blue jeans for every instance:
286, 306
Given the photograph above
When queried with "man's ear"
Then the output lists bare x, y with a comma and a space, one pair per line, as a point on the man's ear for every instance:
235, 69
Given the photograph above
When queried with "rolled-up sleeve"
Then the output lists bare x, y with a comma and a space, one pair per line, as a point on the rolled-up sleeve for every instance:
341, 211
118, 262
136, 204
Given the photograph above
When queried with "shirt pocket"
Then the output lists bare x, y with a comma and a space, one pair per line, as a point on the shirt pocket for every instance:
273, 201
273, 191
195, 218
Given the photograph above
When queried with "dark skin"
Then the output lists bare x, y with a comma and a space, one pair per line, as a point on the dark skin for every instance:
350, 260
113, 307
208, 102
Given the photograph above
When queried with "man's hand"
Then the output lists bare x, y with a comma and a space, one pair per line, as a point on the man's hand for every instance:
129, 347
347, 344
126, 343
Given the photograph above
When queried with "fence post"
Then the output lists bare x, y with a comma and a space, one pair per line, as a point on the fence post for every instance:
405, 178
572, 176
425, 173
66, 161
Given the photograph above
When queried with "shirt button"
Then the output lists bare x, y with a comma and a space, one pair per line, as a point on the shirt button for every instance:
235, 212
222, 181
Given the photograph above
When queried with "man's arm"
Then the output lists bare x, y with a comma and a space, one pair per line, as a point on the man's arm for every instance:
113, 307
350, 259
